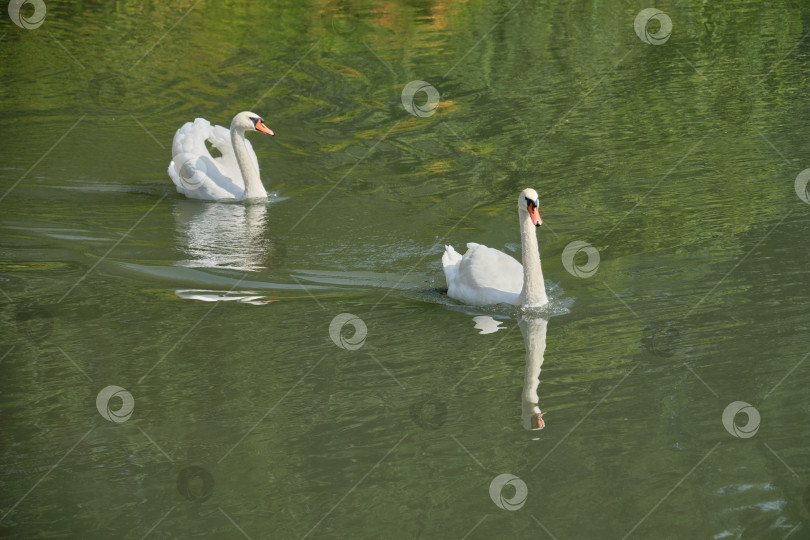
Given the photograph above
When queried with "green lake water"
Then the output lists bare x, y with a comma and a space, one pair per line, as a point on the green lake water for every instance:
675, 247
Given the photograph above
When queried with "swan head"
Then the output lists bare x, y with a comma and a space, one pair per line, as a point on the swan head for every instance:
250, 121
529, 202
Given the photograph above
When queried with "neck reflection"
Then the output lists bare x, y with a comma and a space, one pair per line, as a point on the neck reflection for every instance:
534, 338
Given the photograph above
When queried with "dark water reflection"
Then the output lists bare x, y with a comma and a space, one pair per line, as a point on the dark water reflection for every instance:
677, 163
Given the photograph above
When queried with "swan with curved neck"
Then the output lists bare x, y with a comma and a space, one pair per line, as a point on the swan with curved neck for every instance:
234, 175
485, 276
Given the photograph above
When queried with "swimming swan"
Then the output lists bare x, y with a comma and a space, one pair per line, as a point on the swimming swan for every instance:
485, 276
232, 176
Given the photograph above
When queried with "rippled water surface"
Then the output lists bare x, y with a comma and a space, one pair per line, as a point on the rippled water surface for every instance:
166, 365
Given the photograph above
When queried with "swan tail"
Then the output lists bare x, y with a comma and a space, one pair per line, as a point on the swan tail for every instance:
451, 257
450, 260
174, 176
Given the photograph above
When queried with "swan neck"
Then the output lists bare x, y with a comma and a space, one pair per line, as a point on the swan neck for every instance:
534, 288
253, 184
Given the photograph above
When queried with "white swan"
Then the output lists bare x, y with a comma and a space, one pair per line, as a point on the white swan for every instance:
232, 176
485, 276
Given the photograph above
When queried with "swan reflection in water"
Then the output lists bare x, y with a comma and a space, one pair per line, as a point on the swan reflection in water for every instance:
221, 235
534, 337
533, 328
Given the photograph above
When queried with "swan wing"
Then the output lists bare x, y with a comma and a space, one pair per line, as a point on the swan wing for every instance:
483, 276
227, 163
195, 172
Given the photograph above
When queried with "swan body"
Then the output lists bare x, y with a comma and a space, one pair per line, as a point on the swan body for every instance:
232, 176
485, 276
482, 276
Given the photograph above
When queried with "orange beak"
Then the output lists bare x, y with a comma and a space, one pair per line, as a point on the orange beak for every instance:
263, 128
535, 215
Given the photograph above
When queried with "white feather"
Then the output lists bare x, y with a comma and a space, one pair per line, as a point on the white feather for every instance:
484, 276
199, 175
